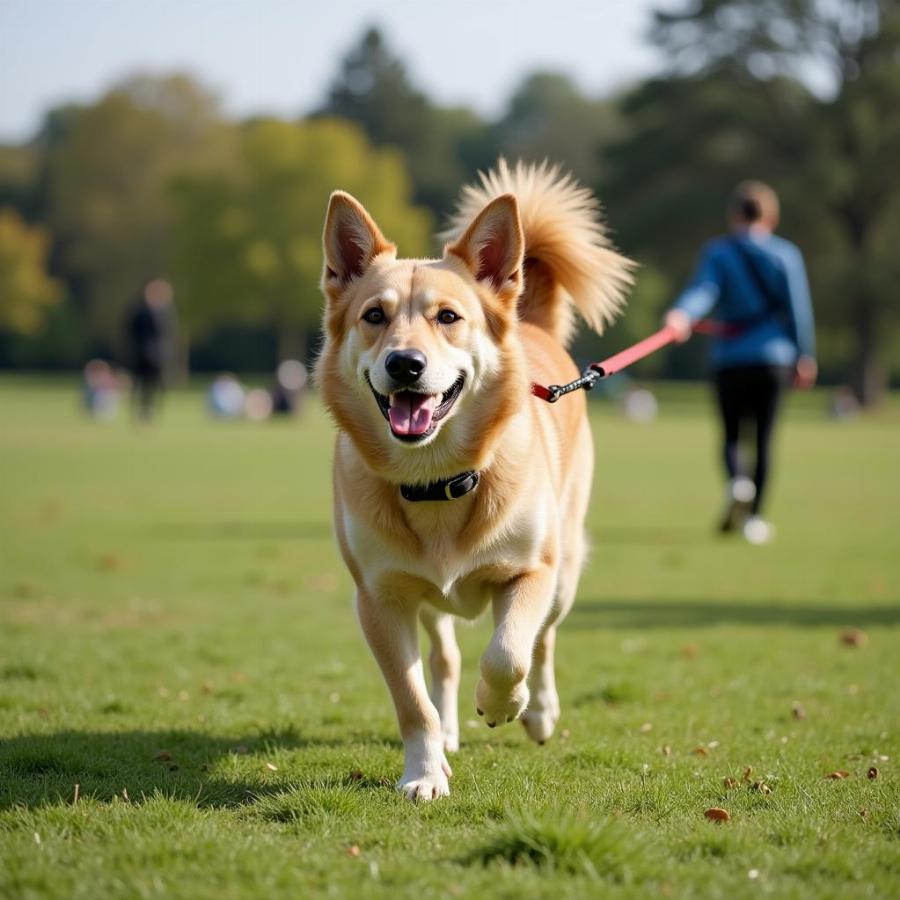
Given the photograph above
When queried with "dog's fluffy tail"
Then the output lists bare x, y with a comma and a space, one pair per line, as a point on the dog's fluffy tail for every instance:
569, 263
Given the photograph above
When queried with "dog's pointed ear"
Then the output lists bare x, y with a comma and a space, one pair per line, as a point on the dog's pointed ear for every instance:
351, 240
492, 247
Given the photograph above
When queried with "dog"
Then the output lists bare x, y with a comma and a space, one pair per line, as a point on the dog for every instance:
455, 489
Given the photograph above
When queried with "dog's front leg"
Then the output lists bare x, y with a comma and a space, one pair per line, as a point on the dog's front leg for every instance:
520, 608
391, 630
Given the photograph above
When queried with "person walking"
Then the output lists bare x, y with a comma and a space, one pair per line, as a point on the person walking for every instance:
753, 285
150, 332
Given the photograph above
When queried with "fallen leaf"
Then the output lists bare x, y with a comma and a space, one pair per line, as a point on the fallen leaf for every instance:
271, 767
666, 750
701, 751
854, 637
798, 710
646, 728
730, 782
843, 773
717, 814
873, 772
356, 775
353, 850
761, 787
747, 773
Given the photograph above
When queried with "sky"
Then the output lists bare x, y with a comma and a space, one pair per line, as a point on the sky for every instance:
278, 56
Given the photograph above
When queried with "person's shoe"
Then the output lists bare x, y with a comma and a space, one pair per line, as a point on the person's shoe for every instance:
758, 531
738, 500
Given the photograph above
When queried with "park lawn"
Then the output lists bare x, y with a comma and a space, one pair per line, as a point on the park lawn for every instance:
177, 638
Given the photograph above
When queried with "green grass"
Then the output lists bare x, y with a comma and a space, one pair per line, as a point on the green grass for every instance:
177, 638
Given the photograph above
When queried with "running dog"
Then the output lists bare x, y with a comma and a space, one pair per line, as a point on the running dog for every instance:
455, 489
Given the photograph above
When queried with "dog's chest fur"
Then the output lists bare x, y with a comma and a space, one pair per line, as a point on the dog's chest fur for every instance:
443, 573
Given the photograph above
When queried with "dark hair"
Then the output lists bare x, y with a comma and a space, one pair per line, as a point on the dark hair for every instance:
749, 208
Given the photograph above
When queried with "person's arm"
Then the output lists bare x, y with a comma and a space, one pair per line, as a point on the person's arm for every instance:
698, 298
801, 320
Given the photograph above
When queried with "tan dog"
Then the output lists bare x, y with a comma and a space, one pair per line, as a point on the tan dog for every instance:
454, 488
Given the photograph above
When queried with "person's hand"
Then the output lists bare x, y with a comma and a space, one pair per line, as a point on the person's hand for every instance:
805, 372
680, 324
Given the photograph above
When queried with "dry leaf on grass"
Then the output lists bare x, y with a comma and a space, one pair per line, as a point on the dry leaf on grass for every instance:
646, 728
356, 775
873, 772
353, 850
717, 814
730, 782
854, 637
747, 773
798, 710
842, 773
701, 751
666, 750
761, 787
271, 767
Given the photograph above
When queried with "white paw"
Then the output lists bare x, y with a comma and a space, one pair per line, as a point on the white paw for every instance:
500, 706
451, 741
426, 787
539, 724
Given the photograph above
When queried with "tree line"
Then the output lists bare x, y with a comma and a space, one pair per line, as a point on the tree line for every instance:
152, 179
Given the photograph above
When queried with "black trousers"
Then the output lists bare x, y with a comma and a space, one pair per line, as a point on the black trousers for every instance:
749, 397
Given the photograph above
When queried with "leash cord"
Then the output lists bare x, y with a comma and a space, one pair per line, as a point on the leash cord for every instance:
627, 357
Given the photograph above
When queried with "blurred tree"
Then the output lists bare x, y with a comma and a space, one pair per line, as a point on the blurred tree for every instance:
247, 244
741, 103
102, 189
26, 291
549, 118
442, 147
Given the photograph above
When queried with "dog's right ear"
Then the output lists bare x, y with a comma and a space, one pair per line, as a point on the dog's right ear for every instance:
351, 241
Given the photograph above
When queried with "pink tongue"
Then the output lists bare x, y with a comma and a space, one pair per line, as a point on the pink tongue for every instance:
411, 413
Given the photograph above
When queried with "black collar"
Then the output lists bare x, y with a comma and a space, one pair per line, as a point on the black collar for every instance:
446, 489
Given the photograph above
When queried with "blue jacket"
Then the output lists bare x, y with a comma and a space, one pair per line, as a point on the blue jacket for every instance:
771, 330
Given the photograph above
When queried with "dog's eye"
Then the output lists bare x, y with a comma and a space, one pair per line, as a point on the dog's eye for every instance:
375, 316
447, 317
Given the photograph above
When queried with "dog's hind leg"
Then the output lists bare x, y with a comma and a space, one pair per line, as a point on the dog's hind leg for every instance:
391, 630
543, 707
445, 662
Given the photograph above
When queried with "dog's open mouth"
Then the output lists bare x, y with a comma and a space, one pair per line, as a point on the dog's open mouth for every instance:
413, 416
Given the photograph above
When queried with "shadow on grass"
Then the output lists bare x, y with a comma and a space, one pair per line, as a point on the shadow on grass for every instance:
240, 531
43, 769
592, 613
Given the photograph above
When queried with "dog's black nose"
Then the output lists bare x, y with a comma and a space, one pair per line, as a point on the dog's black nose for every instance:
405, 366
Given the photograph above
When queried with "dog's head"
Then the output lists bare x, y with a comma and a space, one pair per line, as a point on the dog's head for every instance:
413, 346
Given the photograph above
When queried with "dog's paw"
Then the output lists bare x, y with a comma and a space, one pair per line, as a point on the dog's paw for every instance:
426, 787
451, 741
500, 706
541, 716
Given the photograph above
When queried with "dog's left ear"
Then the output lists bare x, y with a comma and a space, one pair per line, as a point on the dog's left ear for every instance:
351, 240
492, 247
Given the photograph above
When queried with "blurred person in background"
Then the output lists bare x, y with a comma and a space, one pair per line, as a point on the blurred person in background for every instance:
754, 286
290, 383
151, 335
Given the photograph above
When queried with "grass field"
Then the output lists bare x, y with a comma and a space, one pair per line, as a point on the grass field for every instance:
177, 639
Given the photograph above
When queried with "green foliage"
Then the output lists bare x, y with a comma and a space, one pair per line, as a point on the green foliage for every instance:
549, 118
26, 291
104, 173
247, 243
441, 147
734, 105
